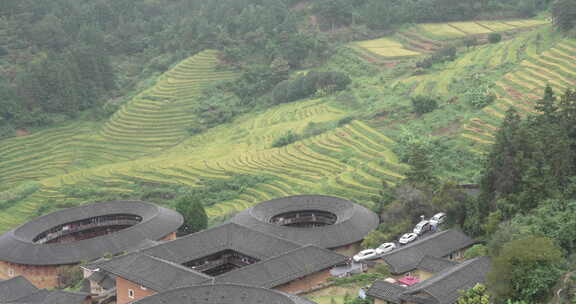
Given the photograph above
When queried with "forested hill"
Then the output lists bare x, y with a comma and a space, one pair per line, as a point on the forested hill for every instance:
65, 56
402, 106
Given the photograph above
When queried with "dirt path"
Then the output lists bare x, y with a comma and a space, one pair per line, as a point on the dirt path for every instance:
557, 295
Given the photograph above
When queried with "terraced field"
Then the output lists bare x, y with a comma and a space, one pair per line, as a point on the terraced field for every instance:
146, 141
519, 89
158, 118
154, 120
424, 38
385, 47
490, 58
454, 30
350, 161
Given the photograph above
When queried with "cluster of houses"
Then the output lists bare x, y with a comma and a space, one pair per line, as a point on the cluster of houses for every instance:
271, 253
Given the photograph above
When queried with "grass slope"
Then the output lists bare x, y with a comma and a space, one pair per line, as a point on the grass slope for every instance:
423, 38
146, 142
521, 87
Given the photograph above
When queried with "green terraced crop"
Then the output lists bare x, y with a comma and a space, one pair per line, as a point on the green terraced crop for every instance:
520, 88
146, 142
471, 27
497, 26
386, 47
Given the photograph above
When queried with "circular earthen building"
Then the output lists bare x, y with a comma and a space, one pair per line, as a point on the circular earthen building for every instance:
42, 249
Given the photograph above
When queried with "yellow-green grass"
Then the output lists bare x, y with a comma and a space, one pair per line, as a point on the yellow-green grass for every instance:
521, 88
333, 294
471, 27
159, 117
494, 55
526, 22
441, 31
347, 161
497, 26
455, 30
385, 47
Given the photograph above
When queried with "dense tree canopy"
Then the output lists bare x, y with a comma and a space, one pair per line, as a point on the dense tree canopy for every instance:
525, 270
531, 162
564, 14
195, 218
67, 56
386, 14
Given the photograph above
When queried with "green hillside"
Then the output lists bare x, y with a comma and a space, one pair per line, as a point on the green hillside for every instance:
350, 142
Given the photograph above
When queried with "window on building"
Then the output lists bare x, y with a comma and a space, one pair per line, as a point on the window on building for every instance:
10, 272
131, 293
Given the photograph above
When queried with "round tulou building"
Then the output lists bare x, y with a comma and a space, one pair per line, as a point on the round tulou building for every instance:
223, 294
43, 249
325, 221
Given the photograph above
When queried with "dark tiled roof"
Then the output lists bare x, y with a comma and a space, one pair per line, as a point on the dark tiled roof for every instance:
445, 287
434, 264
20, 291
15, 288
442, 288
36, 297
223, 294
228, 236
52, 297
284, 268
103, 278
352, 224
437, 245
17, 245
386, 291
153, 273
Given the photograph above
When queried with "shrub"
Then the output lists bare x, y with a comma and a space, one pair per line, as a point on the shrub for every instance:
285, 139
193, 212
475, 251
423, 104
479, 97
11, 197
70, 276
475, 90
441, 55
319, 83
344, 121
494, 37
470, 42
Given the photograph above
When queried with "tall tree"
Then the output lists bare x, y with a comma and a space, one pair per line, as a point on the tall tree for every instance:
421, 167
547, 104
564, 14
525, 270
195, 218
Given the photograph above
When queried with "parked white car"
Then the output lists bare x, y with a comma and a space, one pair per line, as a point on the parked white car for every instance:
387, 247
438, 218
422, 227
367, 254
407, 238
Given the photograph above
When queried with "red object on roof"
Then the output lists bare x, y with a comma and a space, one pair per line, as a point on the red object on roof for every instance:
408, 281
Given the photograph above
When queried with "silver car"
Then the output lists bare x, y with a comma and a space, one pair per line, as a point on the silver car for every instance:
387, 247
438, 218
407, 238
